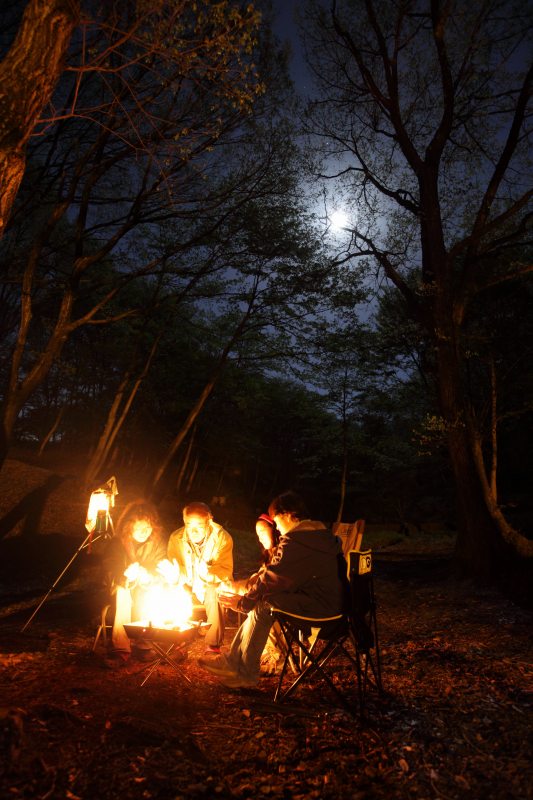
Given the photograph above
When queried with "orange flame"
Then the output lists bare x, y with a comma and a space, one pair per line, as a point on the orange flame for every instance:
165, 606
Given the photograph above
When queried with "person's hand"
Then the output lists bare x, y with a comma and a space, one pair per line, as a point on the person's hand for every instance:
232, 587
144, 577
169, 570
207, 571
132, 572
229, 601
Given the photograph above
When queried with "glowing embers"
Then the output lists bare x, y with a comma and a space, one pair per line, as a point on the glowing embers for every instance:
165, 606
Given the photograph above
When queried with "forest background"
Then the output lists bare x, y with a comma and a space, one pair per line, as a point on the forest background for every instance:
182, 301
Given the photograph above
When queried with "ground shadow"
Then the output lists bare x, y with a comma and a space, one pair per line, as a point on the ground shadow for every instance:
30, 509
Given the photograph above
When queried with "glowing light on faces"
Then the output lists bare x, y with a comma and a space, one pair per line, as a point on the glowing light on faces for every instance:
264, 534
338, 220
196, 527
166, 606
141, 531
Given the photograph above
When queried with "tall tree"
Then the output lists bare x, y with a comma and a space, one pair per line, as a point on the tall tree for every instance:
425, 124
149, 94
29, 73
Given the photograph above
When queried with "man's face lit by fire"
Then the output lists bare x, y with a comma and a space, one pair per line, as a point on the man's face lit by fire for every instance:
141, 531
196, 527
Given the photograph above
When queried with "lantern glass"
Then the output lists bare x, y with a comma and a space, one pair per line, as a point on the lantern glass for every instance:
98, 511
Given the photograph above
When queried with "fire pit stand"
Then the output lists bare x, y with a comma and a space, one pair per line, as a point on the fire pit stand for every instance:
164, 641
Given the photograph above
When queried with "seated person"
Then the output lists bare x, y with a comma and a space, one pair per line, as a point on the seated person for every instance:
268, 536
203, 551
130, 560
303, 579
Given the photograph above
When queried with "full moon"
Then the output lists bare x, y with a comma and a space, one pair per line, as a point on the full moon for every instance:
338, 219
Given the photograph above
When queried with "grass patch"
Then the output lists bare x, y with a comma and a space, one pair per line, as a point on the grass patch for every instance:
378, 537
247, 553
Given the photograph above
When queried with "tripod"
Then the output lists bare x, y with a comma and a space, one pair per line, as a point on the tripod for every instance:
103, 528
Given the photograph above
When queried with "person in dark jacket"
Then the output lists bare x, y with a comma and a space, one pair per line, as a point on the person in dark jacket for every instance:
302, 579
131, 560
268, 537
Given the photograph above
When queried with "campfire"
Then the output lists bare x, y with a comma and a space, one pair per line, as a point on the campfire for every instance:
166, 615
167, 607
166, 623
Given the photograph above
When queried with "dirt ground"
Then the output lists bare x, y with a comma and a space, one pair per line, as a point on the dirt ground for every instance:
454, 720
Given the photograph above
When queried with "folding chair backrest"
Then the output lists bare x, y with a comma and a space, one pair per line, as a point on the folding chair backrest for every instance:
352, 636
362, 596
350, 534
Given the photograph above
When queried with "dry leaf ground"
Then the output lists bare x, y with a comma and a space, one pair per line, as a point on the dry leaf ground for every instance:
455, 721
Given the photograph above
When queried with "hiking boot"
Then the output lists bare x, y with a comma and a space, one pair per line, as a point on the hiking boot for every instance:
270, 665
217, 665
227, 676
237, 682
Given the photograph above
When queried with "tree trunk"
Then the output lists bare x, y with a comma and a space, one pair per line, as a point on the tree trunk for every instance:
192, 476
28, 75
154, 491
344, 474
221, 478
51, 432
18, 391
117, 417
493, 433
185, 461
479, 547
340, 512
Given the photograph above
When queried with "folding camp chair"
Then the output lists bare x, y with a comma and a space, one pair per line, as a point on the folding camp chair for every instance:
351, 635
350, 535
363, 619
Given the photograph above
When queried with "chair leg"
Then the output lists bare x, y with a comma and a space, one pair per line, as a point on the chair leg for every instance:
311, 663
102, 628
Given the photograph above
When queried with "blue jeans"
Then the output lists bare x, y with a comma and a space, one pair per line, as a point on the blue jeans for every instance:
244, 656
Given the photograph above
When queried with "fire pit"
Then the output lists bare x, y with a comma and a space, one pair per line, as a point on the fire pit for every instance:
174, 639
162, 633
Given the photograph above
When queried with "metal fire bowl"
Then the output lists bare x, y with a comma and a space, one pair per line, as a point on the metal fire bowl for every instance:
139, 630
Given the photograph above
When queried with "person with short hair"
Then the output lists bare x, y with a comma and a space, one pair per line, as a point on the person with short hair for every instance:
268, 538
303, 579
203, 551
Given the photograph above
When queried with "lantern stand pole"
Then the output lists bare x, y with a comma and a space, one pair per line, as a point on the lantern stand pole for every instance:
89, 539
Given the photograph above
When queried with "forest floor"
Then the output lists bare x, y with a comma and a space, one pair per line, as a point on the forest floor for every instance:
454, 720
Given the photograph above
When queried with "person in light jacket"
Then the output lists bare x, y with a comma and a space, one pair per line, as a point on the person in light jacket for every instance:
203, 551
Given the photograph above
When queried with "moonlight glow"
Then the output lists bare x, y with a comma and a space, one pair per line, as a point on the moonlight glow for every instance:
338, 219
